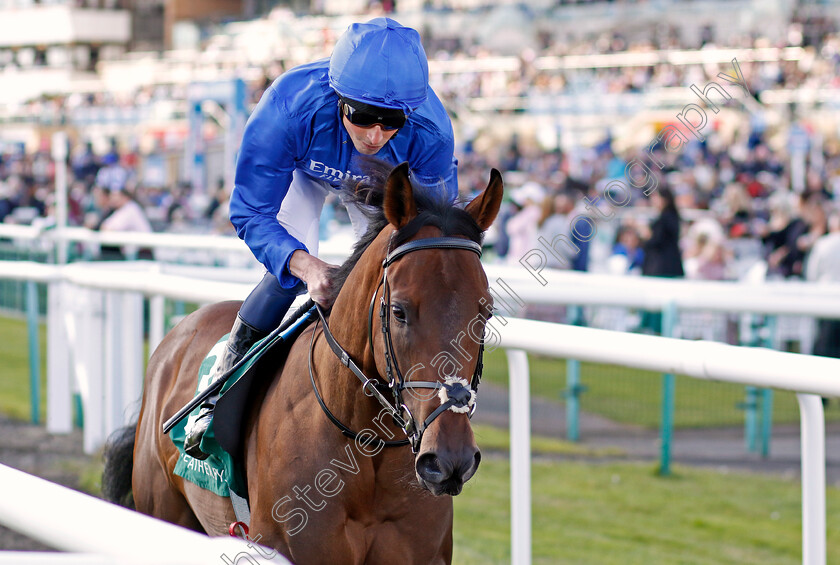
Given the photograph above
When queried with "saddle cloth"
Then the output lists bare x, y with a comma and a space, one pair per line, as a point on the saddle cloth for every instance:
220, 472
223, 470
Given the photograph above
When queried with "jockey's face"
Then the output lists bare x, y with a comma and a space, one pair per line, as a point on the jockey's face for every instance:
368, 140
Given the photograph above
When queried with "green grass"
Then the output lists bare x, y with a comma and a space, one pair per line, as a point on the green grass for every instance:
14, 368
493, 438
622, 514
633, 396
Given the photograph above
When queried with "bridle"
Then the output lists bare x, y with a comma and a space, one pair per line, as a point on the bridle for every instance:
455, 393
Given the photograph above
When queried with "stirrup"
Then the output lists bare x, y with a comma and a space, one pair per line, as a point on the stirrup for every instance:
192, 443
242, 337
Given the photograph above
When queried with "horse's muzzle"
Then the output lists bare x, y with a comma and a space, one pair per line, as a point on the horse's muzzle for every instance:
446, 473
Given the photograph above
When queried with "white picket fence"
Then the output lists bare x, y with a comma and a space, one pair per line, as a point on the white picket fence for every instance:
95, 339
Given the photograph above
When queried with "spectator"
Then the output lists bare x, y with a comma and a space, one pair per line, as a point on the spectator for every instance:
522, 227
737, 210
780, 235
823, 265
662, 249
112, 176
813, 212
7, 204
627, 254
554, 223
126, 216
84, 165
662, 256
711, 260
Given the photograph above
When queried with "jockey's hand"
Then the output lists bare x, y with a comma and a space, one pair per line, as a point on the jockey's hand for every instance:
317, 275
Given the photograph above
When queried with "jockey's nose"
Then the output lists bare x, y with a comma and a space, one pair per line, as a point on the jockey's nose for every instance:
376, 134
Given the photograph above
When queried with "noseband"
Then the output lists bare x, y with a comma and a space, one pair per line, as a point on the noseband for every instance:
455, 393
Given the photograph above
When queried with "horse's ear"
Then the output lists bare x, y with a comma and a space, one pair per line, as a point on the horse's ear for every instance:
485, 206
399, 205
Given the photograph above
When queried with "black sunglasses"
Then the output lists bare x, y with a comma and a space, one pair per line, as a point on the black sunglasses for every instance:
367, 115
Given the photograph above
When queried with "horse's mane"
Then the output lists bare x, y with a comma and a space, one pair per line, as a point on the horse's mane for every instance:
433, 209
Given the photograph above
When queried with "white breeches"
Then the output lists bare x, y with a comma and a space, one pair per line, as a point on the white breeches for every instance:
300, 212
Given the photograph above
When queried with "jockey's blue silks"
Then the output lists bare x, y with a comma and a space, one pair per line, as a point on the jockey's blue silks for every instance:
297, 127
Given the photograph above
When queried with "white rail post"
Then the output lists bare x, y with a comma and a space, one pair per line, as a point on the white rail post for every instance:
115, 322
132, 356
813, 478
157, 321
520, 457
59, 393
90, 373
123, 376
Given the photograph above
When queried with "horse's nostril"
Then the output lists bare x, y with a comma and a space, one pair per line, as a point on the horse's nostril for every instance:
428, 466
470, 466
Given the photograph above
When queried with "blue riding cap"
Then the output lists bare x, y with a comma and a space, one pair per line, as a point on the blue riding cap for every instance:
381, 63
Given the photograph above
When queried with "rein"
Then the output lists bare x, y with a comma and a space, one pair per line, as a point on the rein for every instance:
455, 393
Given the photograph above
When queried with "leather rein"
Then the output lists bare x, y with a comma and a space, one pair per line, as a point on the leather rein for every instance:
455, 394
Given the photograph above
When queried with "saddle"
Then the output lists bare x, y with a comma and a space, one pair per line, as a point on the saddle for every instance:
223, 471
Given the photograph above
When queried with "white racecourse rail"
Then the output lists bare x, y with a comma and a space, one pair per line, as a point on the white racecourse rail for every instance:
97, 306
106, 534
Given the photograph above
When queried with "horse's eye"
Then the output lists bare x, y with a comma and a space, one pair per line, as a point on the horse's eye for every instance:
399, 313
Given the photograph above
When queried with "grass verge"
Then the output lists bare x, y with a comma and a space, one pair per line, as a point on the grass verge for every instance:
622, 514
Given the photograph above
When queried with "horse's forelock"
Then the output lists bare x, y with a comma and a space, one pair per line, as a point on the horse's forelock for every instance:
433, 210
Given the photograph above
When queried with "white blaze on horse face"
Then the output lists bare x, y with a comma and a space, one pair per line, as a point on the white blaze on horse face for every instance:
368, 140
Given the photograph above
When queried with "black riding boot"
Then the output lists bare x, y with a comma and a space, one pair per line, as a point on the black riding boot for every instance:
241, 338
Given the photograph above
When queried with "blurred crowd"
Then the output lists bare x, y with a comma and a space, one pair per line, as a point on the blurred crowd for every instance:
731, 201
105, 193
726, 209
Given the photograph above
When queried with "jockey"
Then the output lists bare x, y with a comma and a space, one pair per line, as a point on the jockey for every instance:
371, 97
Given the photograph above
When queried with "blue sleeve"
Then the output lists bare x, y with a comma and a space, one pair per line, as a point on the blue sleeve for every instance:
439, 171
432, 148
263, 175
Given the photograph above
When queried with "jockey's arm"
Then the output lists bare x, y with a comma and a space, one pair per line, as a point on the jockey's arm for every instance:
263, 176
316, 274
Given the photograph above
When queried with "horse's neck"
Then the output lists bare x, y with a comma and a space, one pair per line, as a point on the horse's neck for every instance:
349, 325
349, 314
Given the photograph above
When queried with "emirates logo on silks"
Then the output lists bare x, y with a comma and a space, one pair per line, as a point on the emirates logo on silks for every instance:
324, 171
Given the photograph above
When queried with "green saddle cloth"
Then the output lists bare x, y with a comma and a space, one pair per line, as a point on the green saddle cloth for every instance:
219, 473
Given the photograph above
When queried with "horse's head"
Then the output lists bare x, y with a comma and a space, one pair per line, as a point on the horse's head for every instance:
432, 306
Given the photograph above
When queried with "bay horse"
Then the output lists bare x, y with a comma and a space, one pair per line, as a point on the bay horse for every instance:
317, 496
